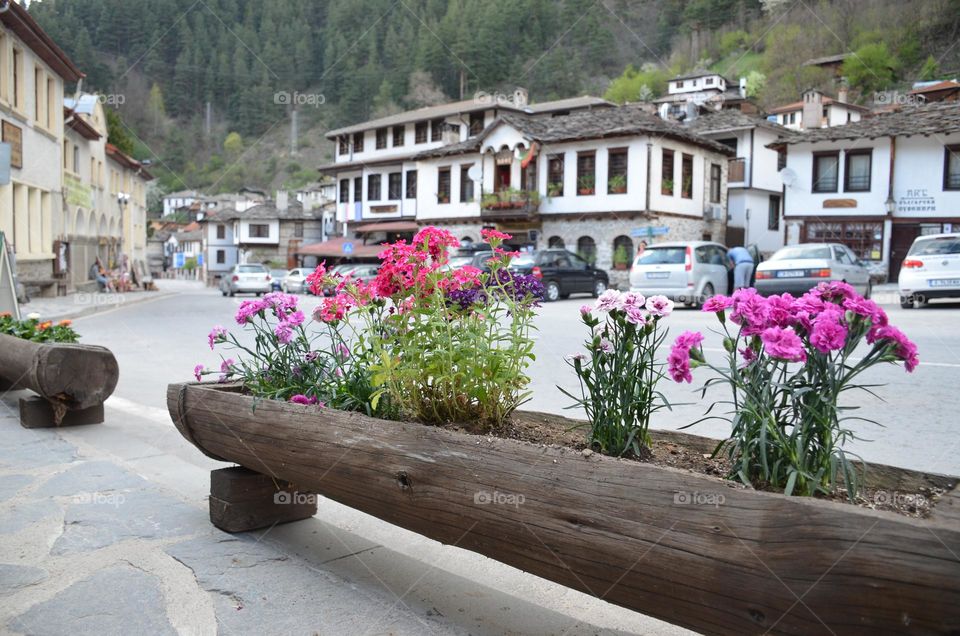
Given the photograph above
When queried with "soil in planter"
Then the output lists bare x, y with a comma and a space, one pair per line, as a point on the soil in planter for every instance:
543, 428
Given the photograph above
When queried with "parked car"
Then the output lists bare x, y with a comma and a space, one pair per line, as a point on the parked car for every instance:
276, 277
364, 272
930, 270
799, 268
295, 282
472, 255
562, 273
249, 278
685, 271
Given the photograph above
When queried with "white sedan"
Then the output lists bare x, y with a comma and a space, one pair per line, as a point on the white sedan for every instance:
799, 268
930, 270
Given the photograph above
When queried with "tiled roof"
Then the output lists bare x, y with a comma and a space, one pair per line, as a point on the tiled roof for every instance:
697, 73
939, 86
470, 145
265, 211
729, 119
827, 100
939, 118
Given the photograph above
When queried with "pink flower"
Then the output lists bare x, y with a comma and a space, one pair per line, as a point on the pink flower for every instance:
866, 309
780, 311
198, 372
577, 357
281, 303
295, 319
636, 314
344, 351
834, 291
248, 309
299, 398
902, 346
226, 369
217, 334
633, 299
749, 311
783, 344
605, 345
284, 332
315, 280
659, 306
332, 309
609, 300
435, 242
829, 333
678, 362
717, 304
488, 234
585, 310
806, 308
748, 355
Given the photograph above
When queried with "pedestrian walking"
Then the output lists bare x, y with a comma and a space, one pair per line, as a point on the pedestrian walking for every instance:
742, 263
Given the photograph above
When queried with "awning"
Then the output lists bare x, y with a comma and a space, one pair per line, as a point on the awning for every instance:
337, 248
386, 226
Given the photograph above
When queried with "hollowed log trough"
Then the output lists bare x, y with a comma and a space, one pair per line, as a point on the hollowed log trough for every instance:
686, 548
71, 380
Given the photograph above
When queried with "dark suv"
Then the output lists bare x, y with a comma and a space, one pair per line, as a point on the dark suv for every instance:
562, 273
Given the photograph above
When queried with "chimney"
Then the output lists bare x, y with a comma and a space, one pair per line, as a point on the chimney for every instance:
451, 134
812, 115
842, 93
283, 200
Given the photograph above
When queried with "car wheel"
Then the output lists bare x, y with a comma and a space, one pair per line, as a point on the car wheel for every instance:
259, 294
552, 291
224, 293
598, 288
232, 293
906, 302
707, 293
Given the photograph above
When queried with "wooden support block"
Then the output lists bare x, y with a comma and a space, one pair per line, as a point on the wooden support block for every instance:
243, 500
36, 412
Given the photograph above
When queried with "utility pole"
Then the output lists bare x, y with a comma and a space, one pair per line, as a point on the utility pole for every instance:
293, 131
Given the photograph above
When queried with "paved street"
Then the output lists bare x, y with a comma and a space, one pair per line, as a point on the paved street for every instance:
105, 527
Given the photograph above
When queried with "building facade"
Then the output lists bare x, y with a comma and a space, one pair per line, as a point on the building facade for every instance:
877, 184
817, 110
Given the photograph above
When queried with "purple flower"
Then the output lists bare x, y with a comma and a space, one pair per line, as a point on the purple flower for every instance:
217, 334
678, 362
299, 398
659, 306
605, 345
311, 356
198, 372
284, 332
716, 304
281, 303
636, 314
748, 355
783, 344
608, 301
828, 333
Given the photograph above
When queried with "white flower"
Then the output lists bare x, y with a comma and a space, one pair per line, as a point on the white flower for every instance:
573, 357
633, 299
636, 314
659, 306
609, 300
33, 316
605, 345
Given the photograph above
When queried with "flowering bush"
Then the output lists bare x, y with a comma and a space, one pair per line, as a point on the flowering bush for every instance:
445, 345
787, 366
284, 362
619, 375
35, 330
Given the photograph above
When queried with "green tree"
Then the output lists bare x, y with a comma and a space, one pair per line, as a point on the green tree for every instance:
638, 85
233, 145
117, 132
930, 69
871, 68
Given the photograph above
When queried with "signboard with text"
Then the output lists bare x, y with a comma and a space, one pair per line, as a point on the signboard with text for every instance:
650, 232
13, 135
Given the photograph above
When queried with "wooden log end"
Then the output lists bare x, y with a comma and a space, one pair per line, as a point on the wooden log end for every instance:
242, 500
36, 412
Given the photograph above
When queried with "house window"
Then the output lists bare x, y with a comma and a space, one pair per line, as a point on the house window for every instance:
443, 185
358, 142
781, 159
298, 229
381, 138
344, 190
39, 117
865, 238
373, 187
555, 176
528, 176
617, 171
76, 159
586, 172
420, 133
708, 81
395, 186
773, 212
826, 166
357, 189
466, 184
221, 231
715, 174
856, 174
17, 79
476, 123
51, 104
556, 243
221, 257
666, 173
679, 84
399, 132
951, 168
793, 118
343, 145
587, 249
436, 130
259, 230
411, 184
686, 176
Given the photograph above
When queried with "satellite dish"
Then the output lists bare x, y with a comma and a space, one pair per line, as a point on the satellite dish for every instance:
475, 173
788, 177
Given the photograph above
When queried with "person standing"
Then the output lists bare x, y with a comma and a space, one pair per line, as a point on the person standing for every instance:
742, 263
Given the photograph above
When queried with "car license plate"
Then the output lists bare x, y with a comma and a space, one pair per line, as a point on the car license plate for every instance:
658, 274
944, 282
791, 273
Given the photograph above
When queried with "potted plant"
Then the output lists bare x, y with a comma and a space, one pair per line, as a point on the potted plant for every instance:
585, 184
666, 187
617, 184
621, 258
443, 198
554, 190
686, 188
401, 400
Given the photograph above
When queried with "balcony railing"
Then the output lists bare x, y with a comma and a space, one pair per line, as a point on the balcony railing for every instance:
738, 171
510, 203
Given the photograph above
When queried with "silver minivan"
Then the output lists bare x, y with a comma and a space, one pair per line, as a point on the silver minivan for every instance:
684, 271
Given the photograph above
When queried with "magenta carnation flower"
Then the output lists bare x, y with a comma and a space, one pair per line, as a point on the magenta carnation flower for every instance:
829, 333
303, 399
198, 372
678, 362
903, 347
783, 344
749, 311
717, 303
780, 311
216, 334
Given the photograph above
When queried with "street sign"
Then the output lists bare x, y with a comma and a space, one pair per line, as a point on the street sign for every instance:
650, 231
348, 248
200, 259
178, 260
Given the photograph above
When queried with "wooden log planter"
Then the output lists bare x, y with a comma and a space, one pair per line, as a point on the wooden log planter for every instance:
71, 380
686, 548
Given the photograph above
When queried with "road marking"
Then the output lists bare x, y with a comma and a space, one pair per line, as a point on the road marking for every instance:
161, 416
949, 365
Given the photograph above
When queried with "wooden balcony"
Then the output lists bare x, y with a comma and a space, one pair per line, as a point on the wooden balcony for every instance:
510, 204
738, 171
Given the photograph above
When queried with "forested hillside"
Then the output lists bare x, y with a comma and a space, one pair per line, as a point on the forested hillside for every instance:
197, 82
